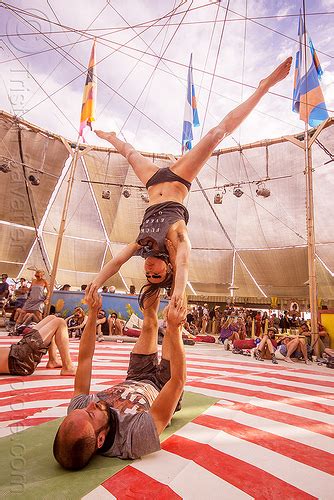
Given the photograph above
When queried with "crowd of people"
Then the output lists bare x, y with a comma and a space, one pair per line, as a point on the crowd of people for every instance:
229, 325
274, 335
27, 301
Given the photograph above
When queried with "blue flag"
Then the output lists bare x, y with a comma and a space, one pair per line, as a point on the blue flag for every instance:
308, 99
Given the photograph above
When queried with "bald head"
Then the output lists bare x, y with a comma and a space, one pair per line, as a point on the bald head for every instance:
74, 444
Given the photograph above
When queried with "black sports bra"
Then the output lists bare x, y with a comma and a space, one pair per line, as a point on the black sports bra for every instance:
166, 175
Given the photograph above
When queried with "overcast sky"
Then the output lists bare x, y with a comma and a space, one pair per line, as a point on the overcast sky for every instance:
142, 70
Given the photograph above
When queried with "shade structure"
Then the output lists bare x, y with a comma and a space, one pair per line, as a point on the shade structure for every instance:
254, 245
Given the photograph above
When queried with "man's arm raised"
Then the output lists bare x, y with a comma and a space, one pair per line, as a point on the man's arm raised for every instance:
164, 406
86, 348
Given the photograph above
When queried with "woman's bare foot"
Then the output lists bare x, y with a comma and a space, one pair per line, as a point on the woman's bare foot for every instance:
68, 371
54, 364
105, 135
277, 75
288, 360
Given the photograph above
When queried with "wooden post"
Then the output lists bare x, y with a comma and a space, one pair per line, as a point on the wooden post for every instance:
62, 223
310, 216
311, 258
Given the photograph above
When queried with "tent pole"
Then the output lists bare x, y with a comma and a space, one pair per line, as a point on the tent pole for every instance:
310, 214
311, 257
61, 231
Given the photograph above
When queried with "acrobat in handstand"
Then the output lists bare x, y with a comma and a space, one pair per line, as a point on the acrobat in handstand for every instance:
163, 238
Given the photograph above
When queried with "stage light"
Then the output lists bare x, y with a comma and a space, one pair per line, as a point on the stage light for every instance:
34, 181
5, 166
106, 194
218, 199
145, 198
238, 192
126, 193
263, 191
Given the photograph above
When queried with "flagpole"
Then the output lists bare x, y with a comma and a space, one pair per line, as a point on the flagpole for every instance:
311, 257
63, 222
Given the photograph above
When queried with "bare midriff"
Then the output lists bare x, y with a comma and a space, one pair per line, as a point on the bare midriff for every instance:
167, 191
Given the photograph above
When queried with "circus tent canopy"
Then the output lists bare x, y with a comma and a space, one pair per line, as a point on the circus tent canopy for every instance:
253, 244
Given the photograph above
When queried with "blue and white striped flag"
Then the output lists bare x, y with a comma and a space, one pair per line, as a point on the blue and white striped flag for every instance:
190, 112
308, 99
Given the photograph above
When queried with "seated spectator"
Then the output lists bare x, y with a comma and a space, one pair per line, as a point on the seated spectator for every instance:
22, 358
112, 289
104, 289
132, 290
324, 339
101, 325
76, 322
266, 348
65, 288
115, 325
292, 346
83, 288
228, 333
4, 293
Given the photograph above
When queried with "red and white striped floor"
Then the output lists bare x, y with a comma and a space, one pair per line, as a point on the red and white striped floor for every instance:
269, 436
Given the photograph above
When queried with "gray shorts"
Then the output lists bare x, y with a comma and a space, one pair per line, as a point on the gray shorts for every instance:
146, 367
25, 355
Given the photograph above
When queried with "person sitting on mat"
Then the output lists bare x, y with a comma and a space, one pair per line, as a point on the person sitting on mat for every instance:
23, 357
125, 420
166, 217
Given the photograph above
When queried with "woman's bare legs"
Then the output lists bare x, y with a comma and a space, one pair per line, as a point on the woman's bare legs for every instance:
189, 165
143, 167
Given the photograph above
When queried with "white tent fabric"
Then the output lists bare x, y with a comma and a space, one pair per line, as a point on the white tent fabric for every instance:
257, 246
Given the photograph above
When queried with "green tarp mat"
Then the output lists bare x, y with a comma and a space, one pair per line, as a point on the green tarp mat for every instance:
28, 469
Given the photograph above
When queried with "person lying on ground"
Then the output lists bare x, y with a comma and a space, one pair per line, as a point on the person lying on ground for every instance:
166, 217
23, 357
125, 420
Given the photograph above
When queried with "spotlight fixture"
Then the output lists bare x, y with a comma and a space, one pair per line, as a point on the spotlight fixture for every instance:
145, 198
34, 181
106, 194
126, 193
5, 166
218, 198
238, 192
263, 191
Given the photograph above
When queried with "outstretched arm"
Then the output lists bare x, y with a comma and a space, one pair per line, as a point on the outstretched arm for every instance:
86, 348
112, 267
164, 406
